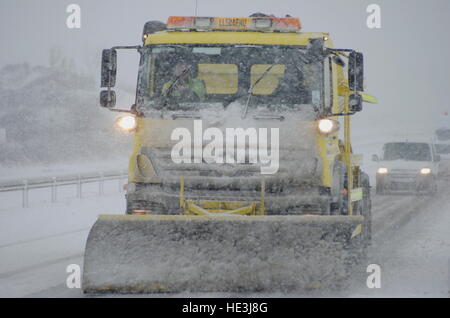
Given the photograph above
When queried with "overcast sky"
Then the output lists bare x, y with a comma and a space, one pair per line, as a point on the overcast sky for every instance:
406, 61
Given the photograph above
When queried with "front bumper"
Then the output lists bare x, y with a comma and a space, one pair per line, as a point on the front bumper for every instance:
405, 182
279, 199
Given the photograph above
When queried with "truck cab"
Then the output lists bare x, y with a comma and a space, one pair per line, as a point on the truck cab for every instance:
262, 77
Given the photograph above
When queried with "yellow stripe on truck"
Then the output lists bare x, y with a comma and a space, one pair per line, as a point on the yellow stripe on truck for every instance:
225, 37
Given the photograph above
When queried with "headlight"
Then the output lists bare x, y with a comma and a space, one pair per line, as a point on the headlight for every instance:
126, 123
425, 171
382, 170
327, 126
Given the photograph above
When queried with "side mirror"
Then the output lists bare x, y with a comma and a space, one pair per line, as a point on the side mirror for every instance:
437, 158
338, 60
109, 68
375, 158
355, 102
108, 99
356, 71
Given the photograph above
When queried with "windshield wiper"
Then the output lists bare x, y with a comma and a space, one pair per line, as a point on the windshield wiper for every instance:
275, 117
169, 90
183, 115
250, 90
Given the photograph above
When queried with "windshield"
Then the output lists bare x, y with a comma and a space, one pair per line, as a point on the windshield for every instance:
191, 77
407, 151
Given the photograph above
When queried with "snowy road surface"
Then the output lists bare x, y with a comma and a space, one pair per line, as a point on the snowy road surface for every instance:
411, 244
39, 242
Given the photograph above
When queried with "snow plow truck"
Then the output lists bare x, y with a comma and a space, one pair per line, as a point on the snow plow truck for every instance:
242, 175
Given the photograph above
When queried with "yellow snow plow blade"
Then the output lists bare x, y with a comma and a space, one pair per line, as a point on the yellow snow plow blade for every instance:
203, 253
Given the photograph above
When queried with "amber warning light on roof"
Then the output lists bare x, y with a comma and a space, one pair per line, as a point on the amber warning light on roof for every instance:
220, 23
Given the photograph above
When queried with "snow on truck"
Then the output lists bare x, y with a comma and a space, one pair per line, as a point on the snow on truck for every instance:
241, 177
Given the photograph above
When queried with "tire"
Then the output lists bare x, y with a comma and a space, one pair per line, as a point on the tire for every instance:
130, 207
364, 208
135, 205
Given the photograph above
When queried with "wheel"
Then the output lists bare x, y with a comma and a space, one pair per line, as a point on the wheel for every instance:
132, 205
129, 208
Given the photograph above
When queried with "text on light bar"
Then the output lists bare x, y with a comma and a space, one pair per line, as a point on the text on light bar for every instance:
220, 23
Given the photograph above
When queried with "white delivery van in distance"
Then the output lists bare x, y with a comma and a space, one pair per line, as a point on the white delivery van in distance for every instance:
407, 166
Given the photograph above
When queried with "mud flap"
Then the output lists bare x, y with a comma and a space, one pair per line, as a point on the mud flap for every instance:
173, 253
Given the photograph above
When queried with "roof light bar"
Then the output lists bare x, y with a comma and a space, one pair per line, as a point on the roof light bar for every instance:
263, 22
287, 24
203, 22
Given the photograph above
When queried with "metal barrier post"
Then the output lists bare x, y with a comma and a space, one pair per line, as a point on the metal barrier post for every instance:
54, 190
100, 185
25, 194
25, 185
79, 190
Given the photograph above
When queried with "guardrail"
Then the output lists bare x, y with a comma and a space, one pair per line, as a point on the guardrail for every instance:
25, 185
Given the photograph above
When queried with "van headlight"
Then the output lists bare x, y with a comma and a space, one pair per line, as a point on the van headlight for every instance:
382, 170
328, 126
126, 123
425, 171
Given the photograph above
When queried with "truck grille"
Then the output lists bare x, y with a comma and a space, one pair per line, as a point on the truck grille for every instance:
404, 174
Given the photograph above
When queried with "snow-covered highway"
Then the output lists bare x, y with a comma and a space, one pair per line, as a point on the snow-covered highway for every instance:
411, 243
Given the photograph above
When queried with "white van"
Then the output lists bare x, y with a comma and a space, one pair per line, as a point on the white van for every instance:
407, 166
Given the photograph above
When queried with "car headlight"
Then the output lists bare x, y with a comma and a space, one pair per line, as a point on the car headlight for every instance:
126, 123
327, 126
425, 171
382, 170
